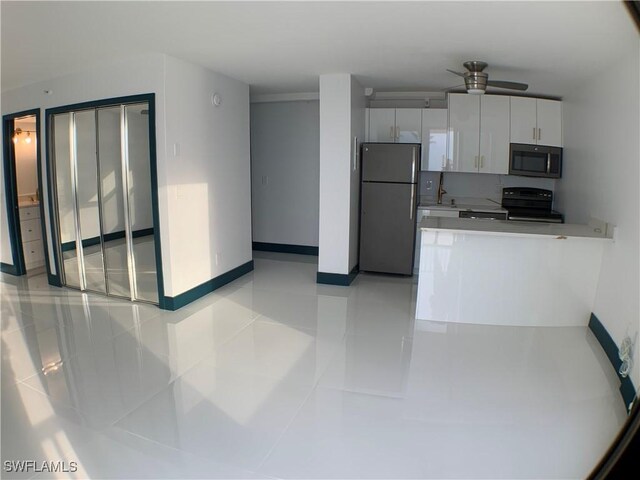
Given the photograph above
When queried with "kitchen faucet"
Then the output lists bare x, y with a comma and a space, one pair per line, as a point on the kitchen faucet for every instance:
441, 190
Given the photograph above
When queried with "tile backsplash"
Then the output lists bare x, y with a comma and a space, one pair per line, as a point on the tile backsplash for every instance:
478, 185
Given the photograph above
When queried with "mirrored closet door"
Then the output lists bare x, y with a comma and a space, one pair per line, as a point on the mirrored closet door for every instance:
101, 172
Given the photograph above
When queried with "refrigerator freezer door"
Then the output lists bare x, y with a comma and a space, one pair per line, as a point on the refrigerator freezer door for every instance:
390, 162
387, 228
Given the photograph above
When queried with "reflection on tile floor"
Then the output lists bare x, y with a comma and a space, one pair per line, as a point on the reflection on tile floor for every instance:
276, 376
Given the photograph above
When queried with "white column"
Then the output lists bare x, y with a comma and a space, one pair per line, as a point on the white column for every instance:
335, 179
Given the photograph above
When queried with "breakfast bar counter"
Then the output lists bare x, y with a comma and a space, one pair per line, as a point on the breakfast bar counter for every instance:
511, 228
509, 273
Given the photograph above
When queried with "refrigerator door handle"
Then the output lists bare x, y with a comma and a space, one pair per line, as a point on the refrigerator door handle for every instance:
413, 193
413, 165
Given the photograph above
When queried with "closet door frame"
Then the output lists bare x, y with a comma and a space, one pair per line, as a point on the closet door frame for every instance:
11, 195
148, 98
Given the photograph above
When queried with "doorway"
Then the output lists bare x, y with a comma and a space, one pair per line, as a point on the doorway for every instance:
23, 187
104, 198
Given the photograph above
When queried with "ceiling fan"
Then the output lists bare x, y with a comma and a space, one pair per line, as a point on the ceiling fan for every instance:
476, 81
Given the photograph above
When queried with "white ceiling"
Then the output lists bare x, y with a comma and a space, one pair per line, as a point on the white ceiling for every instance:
282, 47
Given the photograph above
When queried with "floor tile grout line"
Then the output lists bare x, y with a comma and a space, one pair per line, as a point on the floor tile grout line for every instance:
297, 413
151, 396
286, 428
172, 381
178, 450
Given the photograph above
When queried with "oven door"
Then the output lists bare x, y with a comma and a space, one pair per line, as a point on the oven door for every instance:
535, 161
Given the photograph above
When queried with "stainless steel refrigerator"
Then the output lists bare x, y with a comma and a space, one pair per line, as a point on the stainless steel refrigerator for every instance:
388, 207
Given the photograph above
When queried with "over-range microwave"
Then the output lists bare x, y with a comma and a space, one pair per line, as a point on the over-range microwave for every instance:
535, 160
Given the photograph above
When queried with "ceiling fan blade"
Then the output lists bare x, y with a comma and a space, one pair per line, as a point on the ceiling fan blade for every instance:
448, 89
509, 85
456, 73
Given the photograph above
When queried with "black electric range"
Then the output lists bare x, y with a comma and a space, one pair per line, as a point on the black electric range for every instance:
526, 204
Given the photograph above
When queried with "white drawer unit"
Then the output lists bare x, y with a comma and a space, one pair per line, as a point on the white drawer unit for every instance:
27, 213
33, 254
30, 230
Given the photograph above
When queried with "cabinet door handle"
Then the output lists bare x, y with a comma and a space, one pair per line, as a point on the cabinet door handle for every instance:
482, 161
391, 134
397, 133
534, 133
539, 134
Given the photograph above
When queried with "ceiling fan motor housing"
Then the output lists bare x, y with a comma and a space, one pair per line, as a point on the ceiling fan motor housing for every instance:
475, 82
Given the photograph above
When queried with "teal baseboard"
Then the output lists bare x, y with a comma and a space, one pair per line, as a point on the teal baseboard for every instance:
344, 280
179, 301
10, 269
285, 248
627, 390
108, 237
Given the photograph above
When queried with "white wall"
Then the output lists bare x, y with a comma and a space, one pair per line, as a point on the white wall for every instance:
285, 163
204, 191
335, 177
26, 173
601, 125
208, 186
128, 76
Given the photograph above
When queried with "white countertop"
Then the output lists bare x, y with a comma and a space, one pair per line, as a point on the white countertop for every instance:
511, 228
461, 204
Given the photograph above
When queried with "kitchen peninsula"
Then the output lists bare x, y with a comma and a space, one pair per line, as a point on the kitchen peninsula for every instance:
498, 272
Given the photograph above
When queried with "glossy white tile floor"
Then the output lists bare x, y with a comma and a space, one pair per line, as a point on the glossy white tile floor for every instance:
276, 376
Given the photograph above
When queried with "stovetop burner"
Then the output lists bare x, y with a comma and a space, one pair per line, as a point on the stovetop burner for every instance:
530, 205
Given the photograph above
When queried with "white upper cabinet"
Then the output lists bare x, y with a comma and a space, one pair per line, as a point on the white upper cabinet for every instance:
464, 133
494, 134
382, 125
523, 120
536, 121
408, 125
478, 133
549, 122
395, 125
434, 139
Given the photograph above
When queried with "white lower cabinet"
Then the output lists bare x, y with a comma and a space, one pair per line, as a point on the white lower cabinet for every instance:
422, 213
32, 246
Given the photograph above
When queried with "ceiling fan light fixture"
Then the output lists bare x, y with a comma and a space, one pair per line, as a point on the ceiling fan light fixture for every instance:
476, 81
